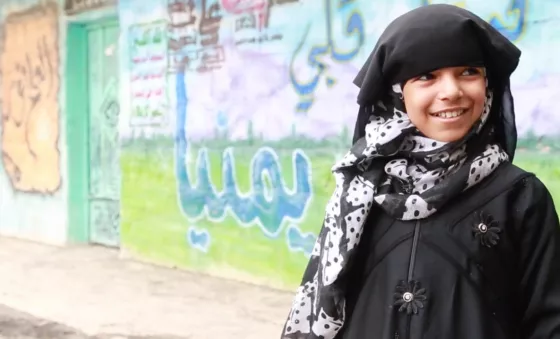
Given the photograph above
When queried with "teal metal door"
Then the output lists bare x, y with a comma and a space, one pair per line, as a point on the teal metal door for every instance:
104, 172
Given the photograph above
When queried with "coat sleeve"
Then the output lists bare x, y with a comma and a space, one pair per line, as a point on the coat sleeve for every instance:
539, 288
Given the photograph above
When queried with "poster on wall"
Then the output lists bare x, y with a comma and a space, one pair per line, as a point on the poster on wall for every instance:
194, 35
148, 66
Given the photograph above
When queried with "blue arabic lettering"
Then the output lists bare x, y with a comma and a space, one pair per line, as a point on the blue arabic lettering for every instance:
300, 242
266, 205
354, 27
517, 9
199, 239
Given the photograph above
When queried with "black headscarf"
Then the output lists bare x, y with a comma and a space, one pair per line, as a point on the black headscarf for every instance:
390, 164
437, 36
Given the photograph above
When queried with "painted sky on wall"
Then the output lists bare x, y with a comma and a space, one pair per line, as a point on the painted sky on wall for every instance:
287, 66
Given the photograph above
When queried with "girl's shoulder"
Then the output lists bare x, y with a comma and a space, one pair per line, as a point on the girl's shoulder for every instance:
525, 185
512, 180
510, 193
528, 200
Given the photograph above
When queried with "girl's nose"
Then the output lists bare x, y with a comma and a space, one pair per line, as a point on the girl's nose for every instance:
449, 88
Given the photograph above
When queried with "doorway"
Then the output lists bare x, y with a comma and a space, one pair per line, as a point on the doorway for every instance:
104, 170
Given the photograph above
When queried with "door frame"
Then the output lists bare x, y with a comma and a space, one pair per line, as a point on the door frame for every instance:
77, 127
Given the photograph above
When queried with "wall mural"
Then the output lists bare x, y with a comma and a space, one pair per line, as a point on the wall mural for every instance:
32, 132
30, 110
261, 103
148, 59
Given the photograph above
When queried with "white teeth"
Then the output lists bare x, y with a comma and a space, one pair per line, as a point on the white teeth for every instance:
449, 114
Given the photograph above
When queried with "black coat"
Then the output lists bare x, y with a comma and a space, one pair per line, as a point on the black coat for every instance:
485, 267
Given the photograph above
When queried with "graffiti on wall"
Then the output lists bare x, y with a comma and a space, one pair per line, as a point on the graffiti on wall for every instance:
272, 110
268, 204
194, 29
30, 110
251, 20
511, 25
148, 63
354, 30
194, 35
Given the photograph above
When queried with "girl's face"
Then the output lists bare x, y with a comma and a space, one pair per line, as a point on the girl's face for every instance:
445, 103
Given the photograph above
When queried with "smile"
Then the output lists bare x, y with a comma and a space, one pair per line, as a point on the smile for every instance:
449, 114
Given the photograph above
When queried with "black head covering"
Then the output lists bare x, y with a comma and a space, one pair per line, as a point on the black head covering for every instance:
436, 36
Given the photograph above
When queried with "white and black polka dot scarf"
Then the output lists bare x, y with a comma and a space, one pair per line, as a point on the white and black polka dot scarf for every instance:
408, 175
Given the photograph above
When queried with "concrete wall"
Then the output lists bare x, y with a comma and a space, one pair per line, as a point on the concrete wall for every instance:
229, 131
33, 192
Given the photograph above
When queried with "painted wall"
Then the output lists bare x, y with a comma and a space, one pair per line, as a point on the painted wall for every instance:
233, 112
33, 194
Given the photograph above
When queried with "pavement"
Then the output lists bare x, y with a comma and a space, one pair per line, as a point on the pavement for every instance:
90, 292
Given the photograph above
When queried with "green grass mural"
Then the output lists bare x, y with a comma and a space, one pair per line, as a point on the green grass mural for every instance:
154, 226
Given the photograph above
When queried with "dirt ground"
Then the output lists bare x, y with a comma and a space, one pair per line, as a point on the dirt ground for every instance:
16, 324
89, 292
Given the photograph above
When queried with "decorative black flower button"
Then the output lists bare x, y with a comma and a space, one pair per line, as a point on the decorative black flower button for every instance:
486, 230
410, 296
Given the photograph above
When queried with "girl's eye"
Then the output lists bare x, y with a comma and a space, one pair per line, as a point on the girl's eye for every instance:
425, 77
471, 71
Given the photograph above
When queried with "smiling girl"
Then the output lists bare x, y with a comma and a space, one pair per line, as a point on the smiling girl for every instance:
446, 103
432, 232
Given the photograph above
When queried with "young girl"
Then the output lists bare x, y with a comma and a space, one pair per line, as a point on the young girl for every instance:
432, 232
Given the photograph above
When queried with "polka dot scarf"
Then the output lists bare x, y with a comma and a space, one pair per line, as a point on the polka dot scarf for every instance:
408, 175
